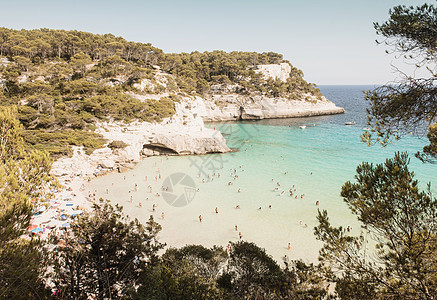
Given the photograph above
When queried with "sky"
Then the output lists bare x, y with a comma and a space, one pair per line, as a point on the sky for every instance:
332, 42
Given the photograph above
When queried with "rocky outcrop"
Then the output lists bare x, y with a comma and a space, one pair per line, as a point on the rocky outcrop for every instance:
184, 144
228, 107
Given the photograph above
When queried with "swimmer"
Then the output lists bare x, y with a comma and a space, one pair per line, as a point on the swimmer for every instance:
237, 207
270, 206
239, 190
259, 208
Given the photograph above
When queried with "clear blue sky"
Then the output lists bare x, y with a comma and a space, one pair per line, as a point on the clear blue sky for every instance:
333, 42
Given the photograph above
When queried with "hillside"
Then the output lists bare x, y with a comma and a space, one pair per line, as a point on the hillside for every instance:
64, 81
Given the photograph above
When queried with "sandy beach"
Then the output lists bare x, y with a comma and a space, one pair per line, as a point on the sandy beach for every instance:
267, 215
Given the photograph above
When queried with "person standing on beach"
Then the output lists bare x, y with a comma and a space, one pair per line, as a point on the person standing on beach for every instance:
200, 218
240, 235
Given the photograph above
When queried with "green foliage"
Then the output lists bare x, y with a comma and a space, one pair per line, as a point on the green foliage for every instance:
50, 44
24, 177
198, 71
117, 145
186, 273
58, 143
252, 274
105, 255
401, 221
410, 104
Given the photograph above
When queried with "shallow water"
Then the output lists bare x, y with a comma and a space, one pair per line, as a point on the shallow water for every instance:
316, 160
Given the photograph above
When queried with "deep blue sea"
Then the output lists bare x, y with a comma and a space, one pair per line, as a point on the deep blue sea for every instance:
274, 156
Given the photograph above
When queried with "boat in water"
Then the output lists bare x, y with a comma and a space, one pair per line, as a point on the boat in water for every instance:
302, 126
349, 123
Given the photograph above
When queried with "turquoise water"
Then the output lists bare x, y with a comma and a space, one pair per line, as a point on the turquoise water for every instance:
316, 160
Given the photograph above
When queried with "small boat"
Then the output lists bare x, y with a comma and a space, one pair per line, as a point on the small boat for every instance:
349, 123
302, 126
366, 129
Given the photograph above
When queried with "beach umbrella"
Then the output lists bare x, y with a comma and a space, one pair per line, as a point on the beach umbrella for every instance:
66, 225
32, 227
76, 212
37, 229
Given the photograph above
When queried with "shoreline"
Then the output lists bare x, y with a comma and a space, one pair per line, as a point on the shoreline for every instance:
79, 170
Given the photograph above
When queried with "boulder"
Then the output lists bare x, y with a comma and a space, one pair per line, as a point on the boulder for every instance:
107, 164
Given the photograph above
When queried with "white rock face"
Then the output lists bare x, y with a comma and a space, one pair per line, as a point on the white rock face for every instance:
239, 107
276, 71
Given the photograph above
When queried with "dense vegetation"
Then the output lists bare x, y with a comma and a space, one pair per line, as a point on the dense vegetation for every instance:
409, 103
68, 80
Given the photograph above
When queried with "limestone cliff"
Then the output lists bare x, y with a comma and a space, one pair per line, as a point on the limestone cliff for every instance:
226, 102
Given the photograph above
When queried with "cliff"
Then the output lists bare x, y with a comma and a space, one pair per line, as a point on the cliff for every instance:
230, 102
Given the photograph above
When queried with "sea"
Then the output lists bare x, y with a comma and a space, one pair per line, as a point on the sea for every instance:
215, 199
